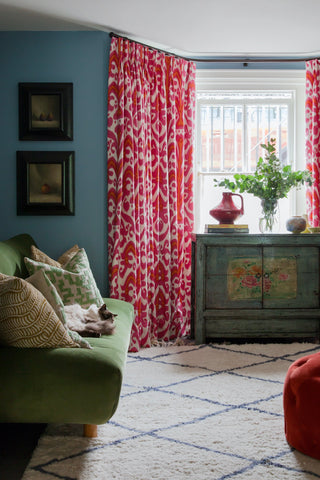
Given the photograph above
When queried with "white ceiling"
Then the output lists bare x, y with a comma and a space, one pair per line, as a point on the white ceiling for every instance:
213, 28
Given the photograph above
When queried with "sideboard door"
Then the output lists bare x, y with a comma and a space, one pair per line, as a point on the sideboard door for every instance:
233, 277
290, 277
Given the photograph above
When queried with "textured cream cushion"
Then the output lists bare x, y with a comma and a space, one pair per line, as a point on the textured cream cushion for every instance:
27, 319
40, 256
66, 256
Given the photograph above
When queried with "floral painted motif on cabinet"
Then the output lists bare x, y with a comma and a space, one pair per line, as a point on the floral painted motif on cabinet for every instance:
248, 278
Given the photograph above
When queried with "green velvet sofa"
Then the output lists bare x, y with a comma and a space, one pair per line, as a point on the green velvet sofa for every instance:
61, 385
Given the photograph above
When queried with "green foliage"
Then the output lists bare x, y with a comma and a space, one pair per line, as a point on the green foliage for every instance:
270, 181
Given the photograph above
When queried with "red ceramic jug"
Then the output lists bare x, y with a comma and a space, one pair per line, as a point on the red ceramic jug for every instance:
226, 211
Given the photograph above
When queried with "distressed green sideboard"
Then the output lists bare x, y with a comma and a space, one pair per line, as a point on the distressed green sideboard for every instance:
247, 286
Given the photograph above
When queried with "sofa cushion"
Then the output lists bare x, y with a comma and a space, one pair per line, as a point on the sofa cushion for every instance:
66, 256
42, 283
27, 319
40, 256
74, 282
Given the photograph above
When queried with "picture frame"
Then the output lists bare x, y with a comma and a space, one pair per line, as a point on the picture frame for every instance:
46, 111
45, 183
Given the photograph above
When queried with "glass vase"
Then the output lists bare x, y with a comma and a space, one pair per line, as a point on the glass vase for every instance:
269, 221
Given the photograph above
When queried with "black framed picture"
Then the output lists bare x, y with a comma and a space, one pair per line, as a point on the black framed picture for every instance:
45, 111
45, 183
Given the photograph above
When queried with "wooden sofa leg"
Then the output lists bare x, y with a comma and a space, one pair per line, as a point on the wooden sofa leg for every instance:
90, 431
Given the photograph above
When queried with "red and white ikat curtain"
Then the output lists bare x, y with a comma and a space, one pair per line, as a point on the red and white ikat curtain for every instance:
151, 114
313, 139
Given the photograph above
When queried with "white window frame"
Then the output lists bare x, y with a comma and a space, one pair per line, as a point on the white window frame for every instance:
261, 80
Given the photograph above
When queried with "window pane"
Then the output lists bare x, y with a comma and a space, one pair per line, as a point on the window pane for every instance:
229, 124
216, 139
205, 138
239, 139
283, 136
232, 127
221, 138
263, 123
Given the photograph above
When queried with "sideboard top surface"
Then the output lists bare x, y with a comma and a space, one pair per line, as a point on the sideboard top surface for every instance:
256, 239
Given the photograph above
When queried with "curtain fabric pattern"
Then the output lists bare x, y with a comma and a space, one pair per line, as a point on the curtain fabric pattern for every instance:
151, 110
313, 139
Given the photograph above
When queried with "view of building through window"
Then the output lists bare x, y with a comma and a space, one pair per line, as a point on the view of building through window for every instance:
232, 132
231, 126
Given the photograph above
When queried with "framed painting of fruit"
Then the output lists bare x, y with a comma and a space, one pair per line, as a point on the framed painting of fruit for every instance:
45, 183
46, 111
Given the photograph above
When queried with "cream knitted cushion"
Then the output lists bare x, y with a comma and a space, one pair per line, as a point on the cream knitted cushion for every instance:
40, 256
66, 256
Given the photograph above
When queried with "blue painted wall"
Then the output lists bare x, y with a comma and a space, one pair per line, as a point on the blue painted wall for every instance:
80, 58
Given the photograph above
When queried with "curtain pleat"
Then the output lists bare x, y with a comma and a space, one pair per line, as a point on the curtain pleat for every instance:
151, 114
313, 139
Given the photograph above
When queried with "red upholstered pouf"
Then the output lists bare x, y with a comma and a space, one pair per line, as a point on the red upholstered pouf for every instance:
301, 402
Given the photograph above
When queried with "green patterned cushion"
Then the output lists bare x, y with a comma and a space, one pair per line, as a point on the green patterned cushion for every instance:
74, 283
27, 319
48, 290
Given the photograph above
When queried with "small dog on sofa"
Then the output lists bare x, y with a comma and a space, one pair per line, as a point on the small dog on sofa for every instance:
90, 322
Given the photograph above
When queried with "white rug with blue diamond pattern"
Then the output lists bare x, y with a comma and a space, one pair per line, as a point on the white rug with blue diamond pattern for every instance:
209, 412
